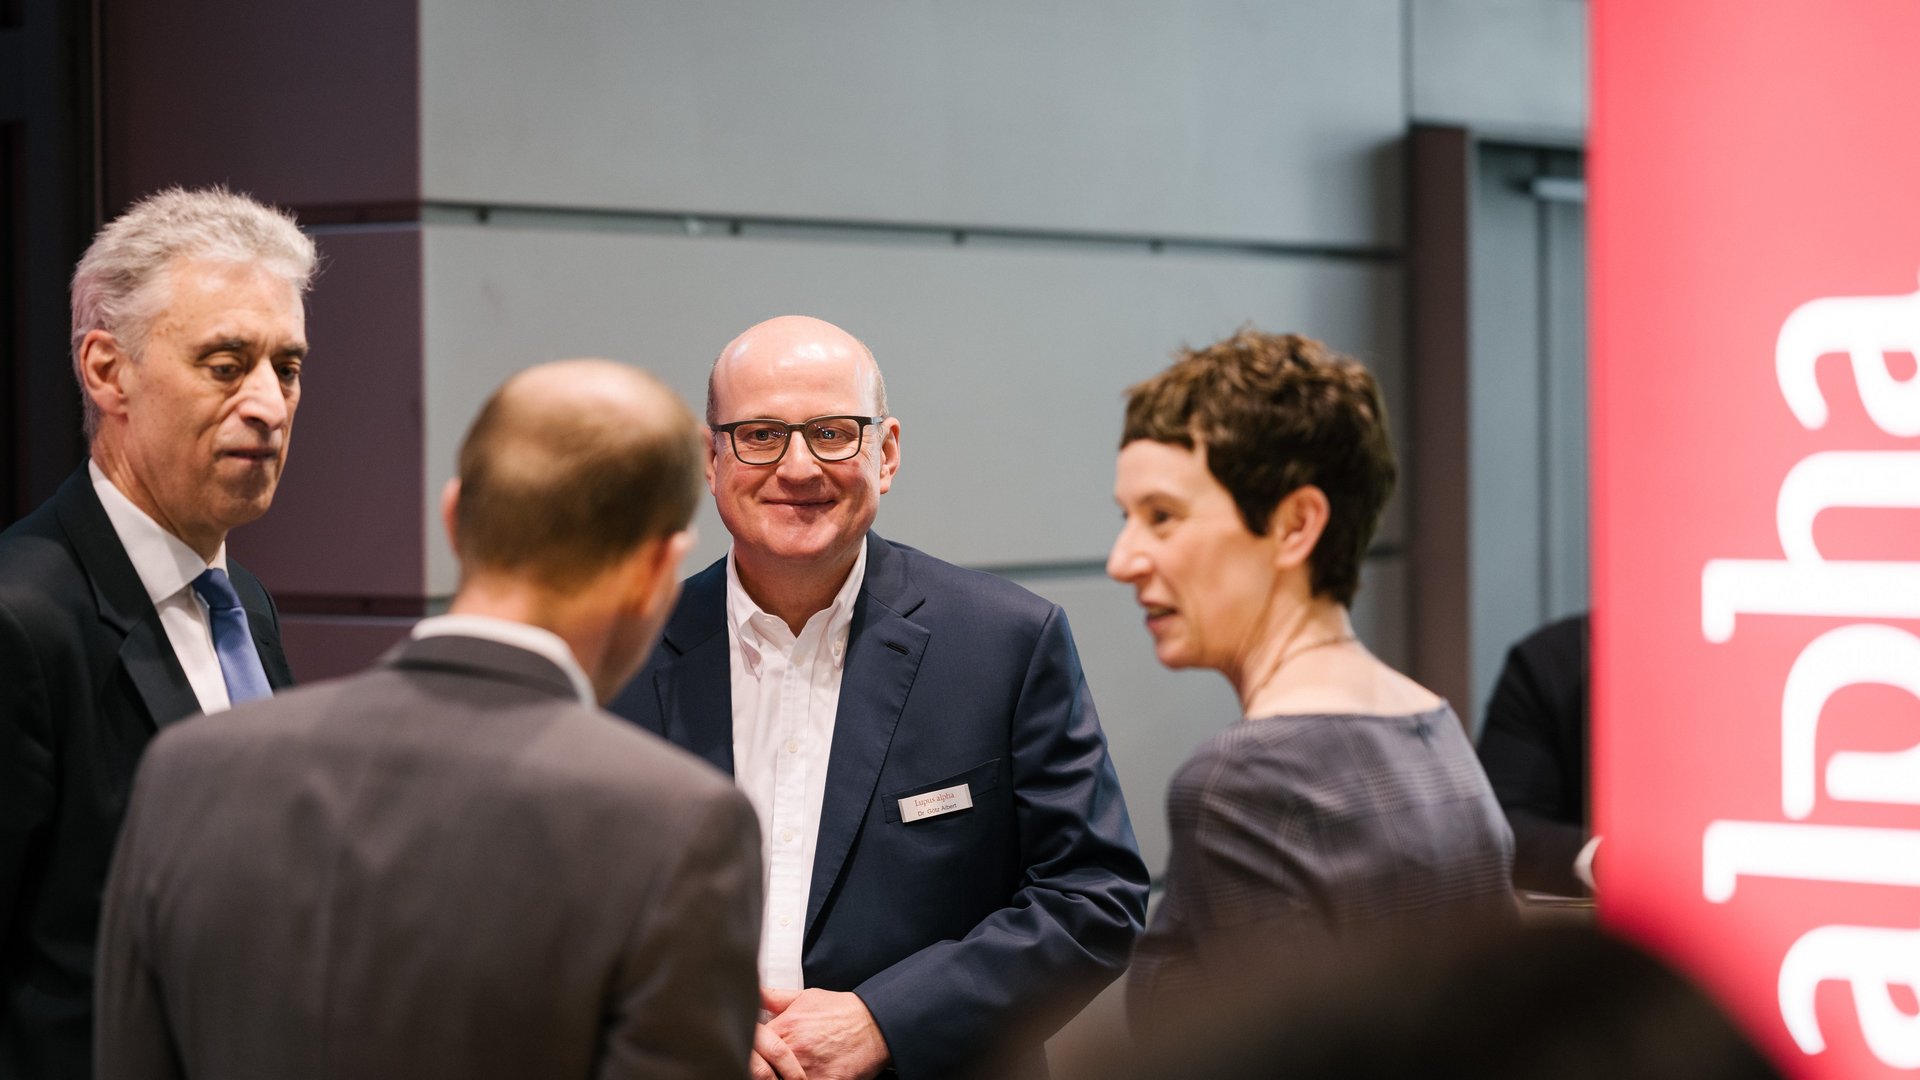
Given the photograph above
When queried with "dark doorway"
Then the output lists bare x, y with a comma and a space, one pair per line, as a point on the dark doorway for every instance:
1498, 275
48, 200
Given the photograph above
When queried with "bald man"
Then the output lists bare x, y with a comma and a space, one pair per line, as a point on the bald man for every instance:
949, 860
456, 865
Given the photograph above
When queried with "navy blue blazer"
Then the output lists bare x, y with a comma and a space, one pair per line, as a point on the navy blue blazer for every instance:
962, 930
86, 678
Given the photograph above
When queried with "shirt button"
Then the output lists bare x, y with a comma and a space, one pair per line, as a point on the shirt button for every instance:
785, 921
787, 835
793, 747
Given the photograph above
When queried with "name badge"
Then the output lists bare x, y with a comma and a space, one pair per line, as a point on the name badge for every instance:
934, 803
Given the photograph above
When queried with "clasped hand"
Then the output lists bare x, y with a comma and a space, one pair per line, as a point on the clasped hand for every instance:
816, 1035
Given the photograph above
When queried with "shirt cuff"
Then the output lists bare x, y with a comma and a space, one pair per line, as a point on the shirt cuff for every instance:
1583, 862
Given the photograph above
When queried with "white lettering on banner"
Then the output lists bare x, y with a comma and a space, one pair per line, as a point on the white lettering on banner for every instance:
1730, 850
1870, 960
1850, 656
1805, 583
1858, 478
1866, 328
1877, 590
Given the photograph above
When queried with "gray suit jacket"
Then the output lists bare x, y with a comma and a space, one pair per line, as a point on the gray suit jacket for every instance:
444, 867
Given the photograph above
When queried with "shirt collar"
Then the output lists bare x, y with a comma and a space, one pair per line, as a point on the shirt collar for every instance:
751, 626
164, 562
543, 643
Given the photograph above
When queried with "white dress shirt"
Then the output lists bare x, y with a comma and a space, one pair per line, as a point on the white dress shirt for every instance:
544, 643
786, 691
167, 567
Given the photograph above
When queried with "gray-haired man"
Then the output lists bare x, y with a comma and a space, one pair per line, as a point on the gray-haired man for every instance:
119, 612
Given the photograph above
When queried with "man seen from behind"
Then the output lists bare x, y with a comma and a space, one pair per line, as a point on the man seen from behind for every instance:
455, 865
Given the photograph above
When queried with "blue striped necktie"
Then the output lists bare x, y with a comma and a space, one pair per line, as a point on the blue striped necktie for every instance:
239, 664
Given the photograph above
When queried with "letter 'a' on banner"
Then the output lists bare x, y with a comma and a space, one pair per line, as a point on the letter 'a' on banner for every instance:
1755, 181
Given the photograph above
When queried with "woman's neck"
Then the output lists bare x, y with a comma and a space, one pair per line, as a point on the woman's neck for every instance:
1292, 629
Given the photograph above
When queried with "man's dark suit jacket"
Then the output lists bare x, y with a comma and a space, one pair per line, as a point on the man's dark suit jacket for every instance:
446, 867
962, 930
86, 678
1534, 748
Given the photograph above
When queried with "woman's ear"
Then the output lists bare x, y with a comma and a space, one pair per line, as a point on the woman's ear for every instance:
1296, 526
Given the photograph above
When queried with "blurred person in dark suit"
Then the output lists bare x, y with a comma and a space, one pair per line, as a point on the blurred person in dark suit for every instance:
119, 610
1551, 1002
455, 864
950, 861
1347, 804
1534, 748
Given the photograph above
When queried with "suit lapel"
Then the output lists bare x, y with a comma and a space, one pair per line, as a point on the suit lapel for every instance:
148, 658
122, 601
695, 690
263, 623
884, 648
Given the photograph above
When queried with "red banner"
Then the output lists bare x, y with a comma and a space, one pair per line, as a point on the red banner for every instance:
1755, 179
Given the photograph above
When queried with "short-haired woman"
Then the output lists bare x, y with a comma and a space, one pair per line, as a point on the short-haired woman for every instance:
1347, 807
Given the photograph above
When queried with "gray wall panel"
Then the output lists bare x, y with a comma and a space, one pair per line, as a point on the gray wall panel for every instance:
1218, 118
1380, 611
1500, 64
1006, 364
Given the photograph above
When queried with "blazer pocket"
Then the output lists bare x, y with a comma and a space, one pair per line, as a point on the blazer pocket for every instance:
982, 778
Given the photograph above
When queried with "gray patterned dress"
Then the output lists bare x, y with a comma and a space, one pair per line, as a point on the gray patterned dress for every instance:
1295, 833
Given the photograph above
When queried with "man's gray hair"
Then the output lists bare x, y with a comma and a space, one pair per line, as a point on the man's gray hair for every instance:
121, 282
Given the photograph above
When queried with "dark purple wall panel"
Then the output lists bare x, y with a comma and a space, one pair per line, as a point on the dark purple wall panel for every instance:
346, 534
305, 103
327, 647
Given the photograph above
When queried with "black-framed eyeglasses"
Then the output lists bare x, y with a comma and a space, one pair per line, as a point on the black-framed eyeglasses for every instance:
763, 442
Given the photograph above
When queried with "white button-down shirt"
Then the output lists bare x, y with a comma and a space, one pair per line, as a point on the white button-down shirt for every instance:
167, 567
786, 691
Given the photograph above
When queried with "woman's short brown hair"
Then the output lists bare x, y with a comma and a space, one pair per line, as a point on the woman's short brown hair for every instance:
1274, 413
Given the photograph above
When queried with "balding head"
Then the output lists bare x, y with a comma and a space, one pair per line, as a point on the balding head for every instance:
798, 521
788, 345
569, 467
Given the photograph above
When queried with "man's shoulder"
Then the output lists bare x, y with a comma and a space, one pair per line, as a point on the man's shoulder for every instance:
898, 575
1559, 646
40, 574
979, 590
266, 725
554, 771
618, 752
579, 749
32, 546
